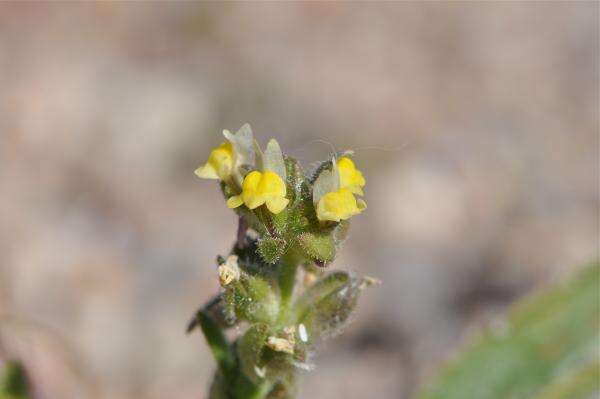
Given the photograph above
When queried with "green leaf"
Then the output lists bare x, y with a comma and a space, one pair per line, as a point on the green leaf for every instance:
548, 346
261, 303
327, 312
13, 382
581, 384
317, 292
218, 344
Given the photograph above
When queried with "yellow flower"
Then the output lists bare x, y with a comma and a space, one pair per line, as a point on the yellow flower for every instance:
339, 205
261, 188
219, 164
350, 177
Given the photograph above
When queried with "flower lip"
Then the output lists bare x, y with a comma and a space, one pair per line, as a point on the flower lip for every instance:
339, 205
261, 188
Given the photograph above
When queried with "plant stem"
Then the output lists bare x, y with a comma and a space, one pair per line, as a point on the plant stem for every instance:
287, 280
262, 391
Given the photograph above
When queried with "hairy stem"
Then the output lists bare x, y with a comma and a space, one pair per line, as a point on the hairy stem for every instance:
287, 279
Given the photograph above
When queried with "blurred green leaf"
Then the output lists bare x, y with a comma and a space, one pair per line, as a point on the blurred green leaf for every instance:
13, 381
330, 303
317, 292
547, 349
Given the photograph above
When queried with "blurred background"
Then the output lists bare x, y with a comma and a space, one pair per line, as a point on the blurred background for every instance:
476, 125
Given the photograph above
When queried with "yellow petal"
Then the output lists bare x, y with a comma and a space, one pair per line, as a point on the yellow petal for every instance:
272, 185
206, 172
337, 205
260, 188
276, 204
350, 177
219, 164
235, 201
251, 194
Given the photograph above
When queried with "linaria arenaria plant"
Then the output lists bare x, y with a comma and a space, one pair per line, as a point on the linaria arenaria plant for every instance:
290, 222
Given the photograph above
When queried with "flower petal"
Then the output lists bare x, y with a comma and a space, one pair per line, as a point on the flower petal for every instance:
276, 204
273, 159
219, 164
242, 142
337, 205
235, 201
251, 194
350, 177
271, 185
327, 181
206, 172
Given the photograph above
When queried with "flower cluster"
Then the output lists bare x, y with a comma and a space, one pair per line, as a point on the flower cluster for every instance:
289, 221
254, 178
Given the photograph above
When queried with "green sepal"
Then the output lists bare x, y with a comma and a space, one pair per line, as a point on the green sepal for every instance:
317, 246
340, 232
271, 248
295, 180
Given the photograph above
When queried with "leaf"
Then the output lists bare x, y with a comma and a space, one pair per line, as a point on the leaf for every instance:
317, 292
218, 344
261, 303
330, 307
578, 385
547, 347
13, 381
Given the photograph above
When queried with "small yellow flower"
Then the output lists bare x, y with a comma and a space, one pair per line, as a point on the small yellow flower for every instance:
219, 164
261, 188
350, 177
339, 205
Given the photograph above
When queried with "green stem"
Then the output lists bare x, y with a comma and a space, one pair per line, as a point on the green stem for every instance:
262, 390
287, 280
